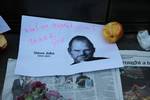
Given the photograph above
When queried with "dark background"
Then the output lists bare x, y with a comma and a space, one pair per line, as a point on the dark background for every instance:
133, 14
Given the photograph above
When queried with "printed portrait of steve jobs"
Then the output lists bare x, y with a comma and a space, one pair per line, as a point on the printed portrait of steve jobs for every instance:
81, 49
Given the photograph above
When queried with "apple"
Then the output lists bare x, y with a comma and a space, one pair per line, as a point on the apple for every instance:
3, 42
113, 31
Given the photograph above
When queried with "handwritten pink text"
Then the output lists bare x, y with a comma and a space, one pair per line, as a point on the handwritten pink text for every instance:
54, 40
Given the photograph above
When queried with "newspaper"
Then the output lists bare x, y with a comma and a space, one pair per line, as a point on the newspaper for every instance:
99, 85
135, 75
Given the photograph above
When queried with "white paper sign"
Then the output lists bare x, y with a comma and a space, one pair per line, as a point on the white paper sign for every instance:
3, 26
46, 48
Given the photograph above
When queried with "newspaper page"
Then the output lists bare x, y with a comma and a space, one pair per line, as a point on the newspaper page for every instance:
99, 85
135, 75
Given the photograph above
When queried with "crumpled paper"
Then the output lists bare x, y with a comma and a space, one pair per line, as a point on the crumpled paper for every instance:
143, 38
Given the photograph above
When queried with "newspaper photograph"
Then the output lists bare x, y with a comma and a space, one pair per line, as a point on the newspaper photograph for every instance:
99, 85
135, 75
